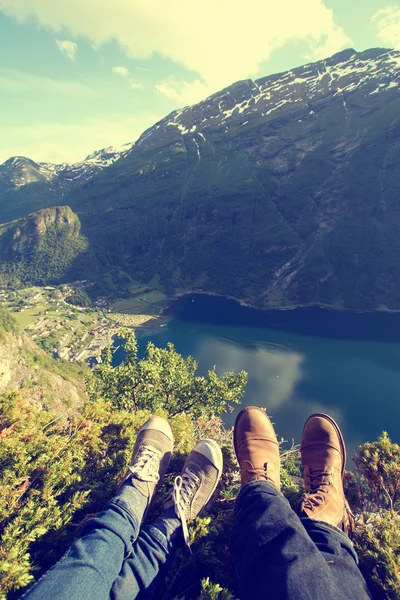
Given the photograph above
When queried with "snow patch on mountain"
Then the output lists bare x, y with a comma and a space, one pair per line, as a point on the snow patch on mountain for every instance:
247, 102
19, 171
375, 71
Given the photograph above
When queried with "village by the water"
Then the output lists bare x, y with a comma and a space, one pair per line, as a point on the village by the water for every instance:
76, 333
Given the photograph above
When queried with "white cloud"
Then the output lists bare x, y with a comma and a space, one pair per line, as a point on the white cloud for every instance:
221, 43
121, 71
58, 142
68, 48
184, 92
136, 84
387, 22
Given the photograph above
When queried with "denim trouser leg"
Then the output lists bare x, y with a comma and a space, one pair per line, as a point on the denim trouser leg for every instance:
150, 557
281, 557
90, 567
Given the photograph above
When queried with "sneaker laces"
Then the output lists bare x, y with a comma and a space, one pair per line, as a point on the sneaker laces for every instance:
147, 464
185, 486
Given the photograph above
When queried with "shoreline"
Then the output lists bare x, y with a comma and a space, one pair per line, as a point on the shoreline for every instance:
322, 306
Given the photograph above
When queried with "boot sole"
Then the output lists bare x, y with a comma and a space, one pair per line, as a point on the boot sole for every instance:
244, 410
339, 434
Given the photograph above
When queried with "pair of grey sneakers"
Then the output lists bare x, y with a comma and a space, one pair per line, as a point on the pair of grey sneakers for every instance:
195, 485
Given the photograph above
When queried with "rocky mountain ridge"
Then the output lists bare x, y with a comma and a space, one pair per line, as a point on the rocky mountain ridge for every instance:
280, 191
371, 72
374, 71
41, 246
22, 177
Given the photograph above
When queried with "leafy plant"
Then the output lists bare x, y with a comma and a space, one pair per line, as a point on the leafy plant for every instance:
163, 379
57, 469
378, 464
378, 545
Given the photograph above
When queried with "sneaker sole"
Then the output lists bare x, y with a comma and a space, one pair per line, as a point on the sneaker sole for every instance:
218, 466
159, 424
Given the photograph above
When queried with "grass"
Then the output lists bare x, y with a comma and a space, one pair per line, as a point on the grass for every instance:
65, 369
139, 304
29, 315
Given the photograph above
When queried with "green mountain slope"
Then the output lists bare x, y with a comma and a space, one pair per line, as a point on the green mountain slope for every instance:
297, 206
42, 381
279, 191
42, 247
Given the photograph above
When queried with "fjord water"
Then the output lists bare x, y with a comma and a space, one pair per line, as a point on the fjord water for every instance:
299, 361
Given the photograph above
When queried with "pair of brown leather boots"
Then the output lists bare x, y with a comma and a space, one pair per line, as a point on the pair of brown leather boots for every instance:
323, 456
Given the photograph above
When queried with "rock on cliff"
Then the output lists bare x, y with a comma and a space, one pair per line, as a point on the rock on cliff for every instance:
41, 247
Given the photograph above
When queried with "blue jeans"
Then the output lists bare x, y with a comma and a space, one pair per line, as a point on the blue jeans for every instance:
115, 558
277, 555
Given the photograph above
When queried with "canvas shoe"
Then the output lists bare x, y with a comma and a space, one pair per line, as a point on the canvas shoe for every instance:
151, 456
196, 484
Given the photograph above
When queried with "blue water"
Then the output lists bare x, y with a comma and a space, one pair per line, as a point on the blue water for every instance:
299, 361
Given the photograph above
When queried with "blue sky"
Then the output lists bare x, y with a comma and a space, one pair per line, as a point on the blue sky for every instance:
80, 75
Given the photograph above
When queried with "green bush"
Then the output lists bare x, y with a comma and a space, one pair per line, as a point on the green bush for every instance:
377, 541
163, 379
374, 493
78, 298
57, 469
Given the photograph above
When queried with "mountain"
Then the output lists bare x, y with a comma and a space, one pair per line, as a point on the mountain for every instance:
279, 191
26, 186
41, 247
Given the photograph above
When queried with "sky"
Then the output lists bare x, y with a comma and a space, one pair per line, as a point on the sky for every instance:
80, 75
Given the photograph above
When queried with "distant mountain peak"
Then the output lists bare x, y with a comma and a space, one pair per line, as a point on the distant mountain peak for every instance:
248, 102
109, 154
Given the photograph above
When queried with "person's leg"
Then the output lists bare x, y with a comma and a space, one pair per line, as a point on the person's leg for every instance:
150, 557
340, 556
273, 553
91, 565
323, 508
154, 549
275, 556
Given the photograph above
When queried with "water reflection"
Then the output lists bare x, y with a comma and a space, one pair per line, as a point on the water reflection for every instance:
275, 374
357, 382
274, 370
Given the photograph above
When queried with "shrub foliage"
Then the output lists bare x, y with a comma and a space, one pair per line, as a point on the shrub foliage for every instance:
57, 469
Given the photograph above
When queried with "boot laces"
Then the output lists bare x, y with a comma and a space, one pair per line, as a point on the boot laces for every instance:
316, 488
147, 464
259, 471
185, 487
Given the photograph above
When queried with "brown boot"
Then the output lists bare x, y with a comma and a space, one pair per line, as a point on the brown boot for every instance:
323, 456
256, 447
